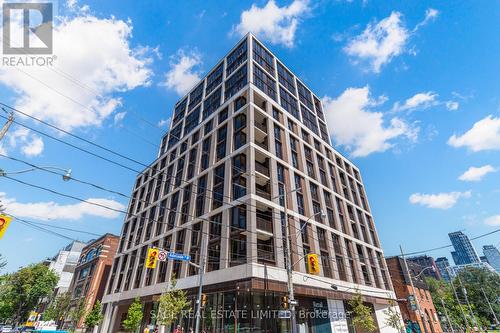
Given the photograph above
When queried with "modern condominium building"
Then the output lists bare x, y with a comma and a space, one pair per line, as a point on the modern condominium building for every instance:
247, 137
464, 250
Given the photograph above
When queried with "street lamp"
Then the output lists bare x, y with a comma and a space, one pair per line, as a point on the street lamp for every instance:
66, 176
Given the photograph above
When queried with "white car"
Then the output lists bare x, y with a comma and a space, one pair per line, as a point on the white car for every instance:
6, 329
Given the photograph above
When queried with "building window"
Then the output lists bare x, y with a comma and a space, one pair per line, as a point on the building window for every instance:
263, 58
237, 81
289, 103
211, 104
192, 120
179, 111
236, 58
195, 96
264, 82
214, 242
205, 154
239, 179
214, 79
286, 78
239, 217
218, 187
240, 138
186, 200
221, 142
239, 103
305, 95
309, 119
200, 196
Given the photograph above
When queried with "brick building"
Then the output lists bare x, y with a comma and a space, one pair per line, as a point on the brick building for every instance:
92, 271
402, 287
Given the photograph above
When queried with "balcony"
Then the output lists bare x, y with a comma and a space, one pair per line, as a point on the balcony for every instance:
262, 168
263, 193
264, 223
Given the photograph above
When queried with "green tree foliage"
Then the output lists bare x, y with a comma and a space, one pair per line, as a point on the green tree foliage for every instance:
78, 312
393, 317
21, 291
134, 316
362, 314
58, 308
474, 280
171, 303
95, 316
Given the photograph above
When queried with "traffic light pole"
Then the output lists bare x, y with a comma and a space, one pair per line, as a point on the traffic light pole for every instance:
289, 268
201, 268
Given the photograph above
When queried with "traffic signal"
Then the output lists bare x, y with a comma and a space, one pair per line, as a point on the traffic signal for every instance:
203, 300
313, 264
284, 302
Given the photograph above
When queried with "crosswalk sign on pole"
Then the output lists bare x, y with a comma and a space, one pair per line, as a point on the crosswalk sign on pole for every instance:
152, 257
4, 223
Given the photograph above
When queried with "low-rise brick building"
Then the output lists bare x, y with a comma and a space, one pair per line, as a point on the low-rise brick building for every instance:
92, 272
402, 287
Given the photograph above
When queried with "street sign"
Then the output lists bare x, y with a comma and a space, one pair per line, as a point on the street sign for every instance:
152, 257
284, 314
179, 256
293, 302
162, 255
412, 302
4, 223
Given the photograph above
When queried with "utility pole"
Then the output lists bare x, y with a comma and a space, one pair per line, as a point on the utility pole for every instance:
467, 300
447, 317
5, 127
458, 300
289, 268
419, 309
200, 288
489, 305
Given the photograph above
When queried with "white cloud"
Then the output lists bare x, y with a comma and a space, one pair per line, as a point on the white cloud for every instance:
183, 73
474, 174
484, 135
118, 118
359, 130
421, 100
452, 105
28, 143
94, 61
54, 211
277, 25
379, 43
493, 220
34, 147
430, 15
440, 200
163, 122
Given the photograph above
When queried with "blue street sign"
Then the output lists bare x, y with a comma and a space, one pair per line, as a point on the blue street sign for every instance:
178, 256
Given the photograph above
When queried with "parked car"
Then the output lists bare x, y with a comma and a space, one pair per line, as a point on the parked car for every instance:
6, 329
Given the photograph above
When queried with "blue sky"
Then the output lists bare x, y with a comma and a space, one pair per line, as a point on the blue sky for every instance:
410, 89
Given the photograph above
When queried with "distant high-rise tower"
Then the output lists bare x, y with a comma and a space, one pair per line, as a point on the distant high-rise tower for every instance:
492, 256
443, 265
464, 251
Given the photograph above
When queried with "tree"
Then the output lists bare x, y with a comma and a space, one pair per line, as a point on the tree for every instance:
171, 303
134, 316
22, 290
393, 317
362, 314
477, 282
59, 308
95, 316
78, 312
